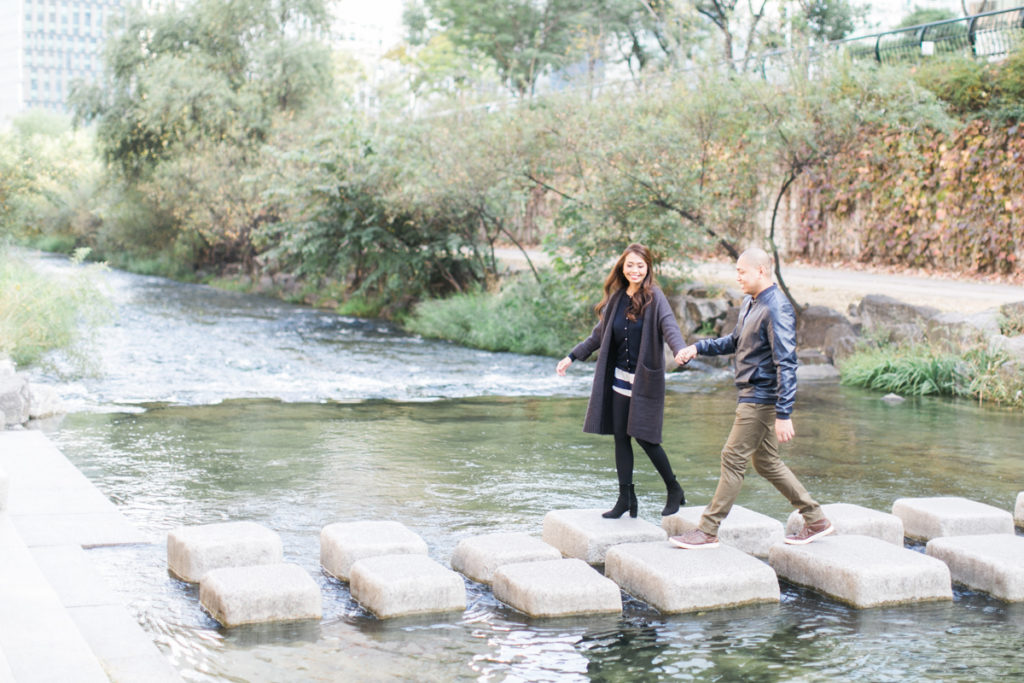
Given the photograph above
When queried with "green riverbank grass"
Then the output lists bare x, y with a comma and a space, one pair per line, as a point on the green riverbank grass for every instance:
42, 313
979, 373
523, 317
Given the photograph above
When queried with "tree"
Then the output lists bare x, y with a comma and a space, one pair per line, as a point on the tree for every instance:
827, 20
924, 15
524, 38
731, 23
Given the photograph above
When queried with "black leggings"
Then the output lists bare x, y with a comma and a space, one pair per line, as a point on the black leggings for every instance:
624, 448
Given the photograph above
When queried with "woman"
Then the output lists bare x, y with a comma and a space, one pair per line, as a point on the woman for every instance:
628, 397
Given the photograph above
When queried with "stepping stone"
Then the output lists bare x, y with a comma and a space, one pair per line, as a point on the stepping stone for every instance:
194, 550
556, 588
855, 519
1018, 511
478, 556
260, 593
863, 571
928, 518
344, 543
745, 529
400, 585
993, 563
586, 535
5, 486
674, 580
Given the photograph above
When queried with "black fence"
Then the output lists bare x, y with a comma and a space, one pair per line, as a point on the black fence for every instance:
989, 35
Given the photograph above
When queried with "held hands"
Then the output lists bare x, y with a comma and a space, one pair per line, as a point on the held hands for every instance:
563, 365
686, 355
784, 430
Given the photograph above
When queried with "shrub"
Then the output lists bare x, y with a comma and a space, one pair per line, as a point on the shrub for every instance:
41, 313
524, 317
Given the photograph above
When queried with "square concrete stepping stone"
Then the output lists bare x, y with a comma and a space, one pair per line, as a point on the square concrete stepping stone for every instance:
260, 593
344, 543
928, 518
1018, 511
556, 588
194, 550
745, 529
863, 571
478, 556
855, 519
586, 535
674, 580
993, 563
401, 585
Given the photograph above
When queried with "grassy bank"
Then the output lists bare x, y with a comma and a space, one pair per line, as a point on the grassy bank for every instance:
981, 373
524, 316
46, 318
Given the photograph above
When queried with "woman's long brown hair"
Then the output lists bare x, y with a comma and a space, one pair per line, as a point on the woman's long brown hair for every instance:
616, 280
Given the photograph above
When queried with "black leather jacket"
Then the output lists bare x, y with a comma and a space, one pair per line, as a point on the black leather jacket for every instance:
764, 342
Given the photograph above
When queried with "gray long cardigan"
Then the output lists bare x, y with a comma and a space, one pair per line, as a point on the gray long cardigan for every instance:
647, 407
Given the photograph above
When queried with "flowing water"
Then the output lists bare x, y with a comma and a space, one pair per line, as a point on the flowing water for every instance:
215, 406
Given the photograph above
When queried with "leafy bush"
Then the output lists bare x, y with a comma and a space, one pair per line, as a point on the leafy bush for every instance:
524, 317
41, 313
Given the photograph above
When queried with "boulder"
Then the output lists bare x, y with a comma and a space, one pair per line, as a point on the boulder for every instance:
695, 313
673, 580
928, 518
479, 556
192, 551
854, 519
586, 535
1011, 346
990, 563
15, 399
745, 529
817, 373
44, 402
402, 585
880, 311
7, 368
813, 324
556, 588
862, 571
959, 329
840, 342
343, 543
1013, 310
259, 594
1018, 510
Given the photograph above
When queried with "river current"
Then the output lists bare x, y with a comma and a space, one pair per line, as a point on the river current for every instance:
214, 406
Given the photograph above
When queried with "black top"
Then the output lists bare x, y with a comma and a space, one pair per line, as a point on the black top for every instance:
626, 336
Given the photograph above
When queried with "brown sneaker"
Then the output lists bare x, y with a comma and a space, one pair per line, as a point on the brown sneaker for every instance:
695, 538
811, 532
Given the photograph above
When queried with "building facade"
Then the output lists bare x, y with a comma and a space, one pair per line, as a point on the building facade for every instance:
46, 45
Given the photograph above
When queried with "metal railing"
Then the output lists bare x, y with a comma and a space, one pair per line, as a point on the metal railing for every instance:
988, 35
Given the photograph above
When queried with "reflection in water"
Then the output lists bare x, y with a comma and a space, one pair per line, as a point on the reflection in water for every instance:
216, 406
453, 468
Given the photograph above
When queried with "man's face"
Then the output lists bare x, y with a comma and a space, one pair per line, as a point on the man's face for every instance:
749, 277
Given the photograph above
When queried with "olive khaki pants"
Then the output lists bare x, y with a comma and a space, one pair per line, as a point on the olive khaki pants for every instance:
753, 436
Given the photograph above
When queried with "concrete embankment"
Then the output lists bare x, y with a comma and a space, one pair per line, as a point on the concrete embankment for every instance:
59, 620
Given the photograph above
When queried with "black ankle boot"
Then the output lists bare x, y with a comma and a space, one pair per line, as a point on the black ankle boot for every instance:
626, 501
675, 498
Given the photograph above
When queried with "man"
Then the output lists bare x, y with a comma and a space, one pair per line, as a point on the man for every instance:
764, 342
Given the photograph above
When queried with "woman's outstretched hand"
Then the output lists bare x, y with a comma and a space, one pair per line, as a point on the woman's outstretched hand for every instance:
563, 365
686, 355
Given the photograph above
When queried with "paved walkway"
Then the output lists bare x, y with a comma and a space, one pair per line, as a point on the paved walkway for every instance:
839, 287
59, 621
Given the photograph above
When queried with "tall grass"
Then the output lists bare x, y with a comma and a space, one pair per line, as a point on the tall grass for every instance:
49, 316
980, 373
524, 317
